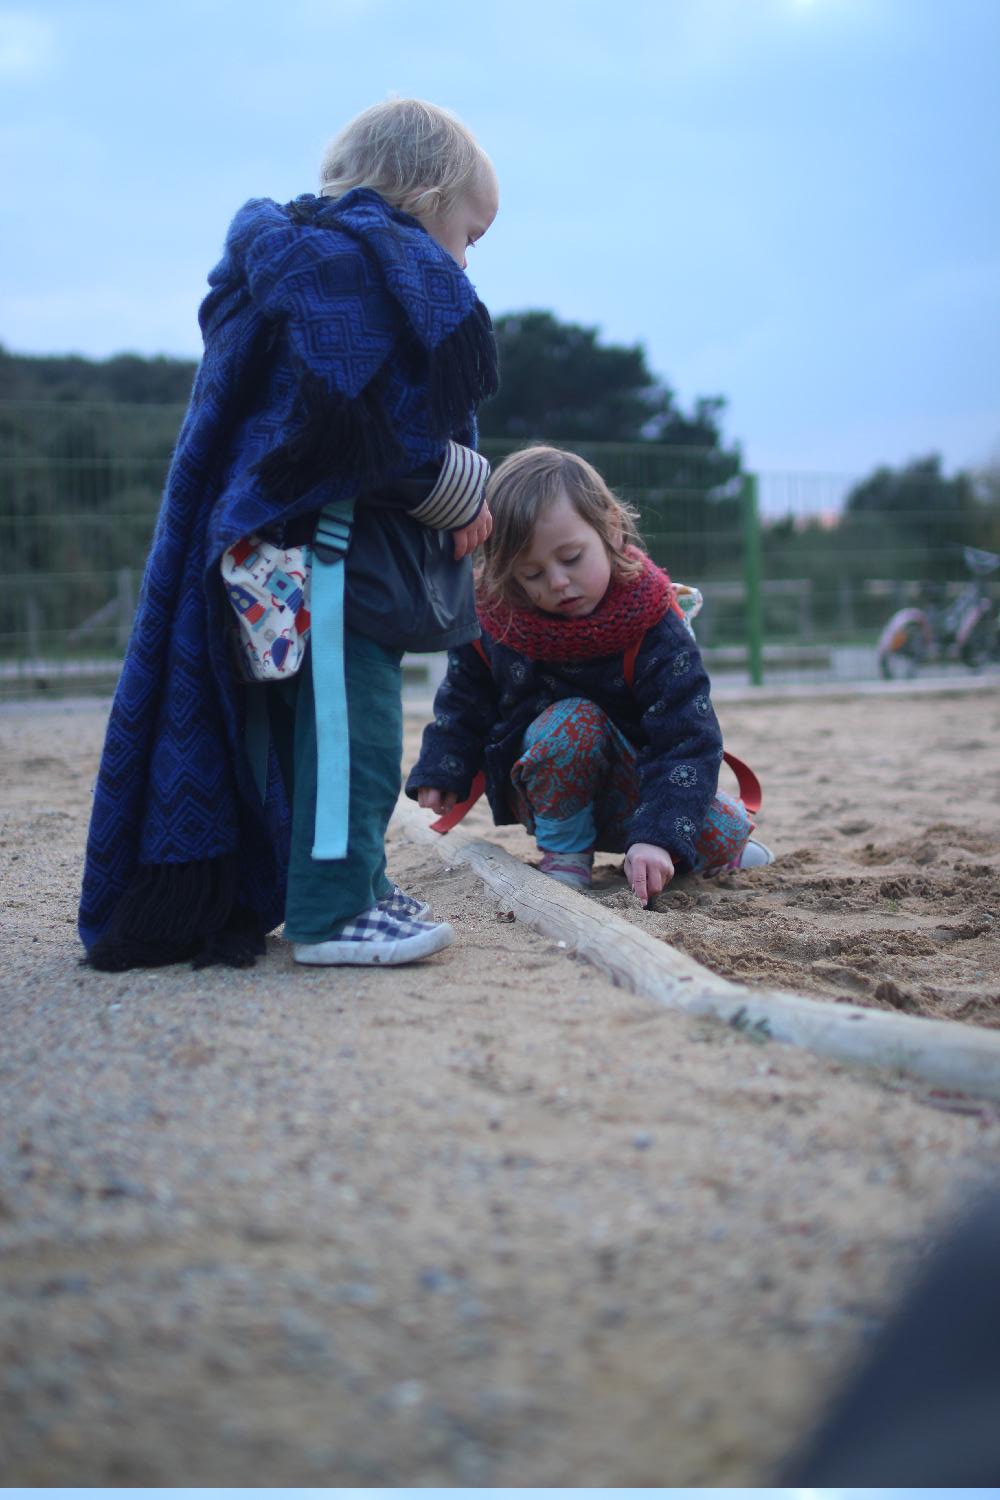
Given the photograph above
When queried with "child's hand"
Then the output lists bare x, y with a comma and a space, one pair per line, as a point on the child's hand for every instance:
468, 538
648, 869
437, 801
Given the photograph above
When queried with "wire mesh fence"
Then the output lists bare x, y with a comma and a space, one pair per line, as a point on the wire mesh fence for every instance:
80, 486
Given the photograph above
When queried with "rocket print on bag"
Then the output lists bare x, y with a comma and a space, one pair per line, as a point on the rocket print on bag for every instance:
268, 588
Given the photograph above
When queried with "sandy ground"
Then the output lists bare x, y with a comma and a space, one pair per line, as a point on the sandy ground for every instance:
485, 1221
883, 812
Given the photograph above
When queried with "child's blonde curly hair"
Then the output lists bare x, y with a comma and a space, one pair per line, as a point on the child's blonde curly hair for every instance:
521, 488
417, 156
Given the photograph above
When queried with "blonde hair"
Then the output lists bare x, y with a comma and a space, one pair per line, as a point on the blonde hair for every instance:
524, 486
418, 156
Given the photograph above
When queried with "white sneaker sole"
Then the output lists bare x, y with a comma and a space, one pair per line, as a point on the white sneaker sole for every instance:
372, 951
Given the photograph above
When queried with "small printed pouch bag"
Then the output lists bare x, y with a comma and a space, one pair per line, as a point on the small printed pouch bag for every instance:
268, 588
278, 594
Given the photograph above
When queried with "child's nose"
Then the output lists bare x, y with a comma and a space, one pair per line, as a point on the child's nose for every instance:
558, 579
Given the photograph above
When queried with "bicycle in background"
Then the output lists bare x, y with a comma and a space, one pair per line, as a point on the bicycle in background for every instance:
964, 629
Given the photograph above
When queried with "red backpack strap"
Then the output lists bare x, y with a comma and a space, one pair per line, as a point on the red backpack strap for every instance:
456, 813
629, 659
632, 652
751, 793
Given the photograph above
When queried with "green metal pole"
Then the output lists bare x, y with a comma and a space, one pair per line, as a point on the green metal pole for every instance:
751, 580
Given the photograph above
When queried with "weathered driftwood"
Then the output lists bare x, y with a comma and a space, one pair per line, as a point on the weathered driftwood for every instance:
947, 1054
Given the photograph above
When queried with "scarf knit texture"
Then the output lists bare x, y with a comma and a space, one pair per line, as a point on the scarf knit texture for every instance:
343, 347
630, 606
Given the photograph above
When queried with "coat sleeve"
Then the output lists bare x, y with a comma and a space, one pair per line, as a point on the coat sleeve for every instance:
679, 761
465, 709
445, 495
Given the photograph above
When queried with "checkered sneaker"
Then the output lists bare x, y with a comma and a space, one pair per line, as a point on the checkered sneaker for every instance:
399, 904
377, 937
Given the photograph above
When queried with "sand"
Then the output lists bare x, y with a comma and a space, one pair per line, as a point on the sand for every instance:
486, 1220
883, 812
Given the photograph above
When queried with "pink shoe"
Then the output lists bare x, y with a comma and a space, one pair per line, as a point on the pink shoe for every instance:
571, 869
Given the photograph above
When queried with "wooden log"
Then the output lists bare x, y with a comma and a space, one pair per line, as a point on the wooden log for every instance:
946, 1054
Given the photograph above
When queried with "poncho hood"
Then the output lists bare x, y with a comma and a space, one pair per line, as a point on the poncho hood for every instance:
384, 331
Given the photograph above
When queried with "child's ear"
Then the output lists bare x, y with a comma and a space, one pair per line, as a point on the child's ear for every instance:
616, 536
424, 204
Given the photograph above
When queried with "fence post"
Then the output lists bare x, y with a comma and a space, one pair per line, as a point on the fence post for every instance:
751, 580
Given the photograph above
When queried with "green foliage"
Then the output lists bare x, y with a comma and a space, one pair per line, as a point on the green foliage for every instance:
915, 516
561, 384
901, 528
986, 487
918, 489
558, 381
70, 377
86, 445
84, 450
80, 485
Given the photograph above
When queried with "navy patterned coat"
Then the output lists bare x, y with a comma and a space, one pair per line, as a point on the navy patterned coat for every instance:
481, 714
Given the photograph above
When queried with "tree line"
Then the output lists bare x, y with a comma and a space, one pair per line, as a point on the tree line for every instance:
92, 438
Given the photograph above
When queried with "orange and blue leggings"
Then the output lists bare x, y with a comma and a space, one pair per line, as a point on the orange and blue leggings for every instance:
576, 785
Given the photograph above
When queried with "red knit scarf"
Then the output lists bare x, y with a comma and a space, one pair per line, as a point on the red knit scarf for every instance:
628, 609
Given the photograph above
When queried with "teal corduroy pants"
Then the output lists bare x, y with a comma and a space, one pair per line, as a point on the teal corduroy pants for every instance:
325, 892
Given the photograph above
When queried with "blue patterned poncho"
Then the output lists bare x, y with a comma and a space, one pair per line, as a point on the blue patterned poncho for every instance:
343, 347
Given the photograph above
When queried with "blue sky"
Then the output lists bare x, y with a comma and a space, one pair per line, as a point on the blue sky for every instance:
791, 203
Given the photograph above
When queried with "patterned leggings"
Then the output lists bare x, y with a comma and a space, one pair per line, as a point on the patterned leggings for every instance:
575, 786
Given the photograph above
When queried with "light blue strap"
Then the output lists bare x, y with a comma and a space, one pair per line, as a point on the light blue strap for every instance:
333, 755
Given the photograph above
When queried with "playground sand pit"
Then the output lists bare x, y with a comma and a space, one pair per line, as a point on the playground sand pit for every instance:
883, 813
486, 1221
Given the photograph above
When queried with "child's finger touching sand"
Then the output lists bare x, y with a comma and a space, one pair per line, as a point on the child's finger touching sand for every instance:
649, 870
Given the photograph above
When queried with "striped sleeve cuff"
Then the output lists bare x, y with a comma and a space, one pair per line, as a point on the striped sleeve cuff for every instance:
457, 496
